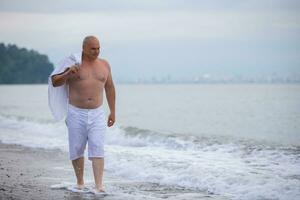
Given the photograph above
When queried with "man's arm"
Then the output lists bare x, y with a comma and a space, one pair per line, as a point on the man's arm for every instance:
60, 79
111, 98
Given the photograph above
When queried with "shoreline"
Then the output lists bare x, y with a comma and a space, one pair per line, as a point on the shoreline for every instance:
28, 173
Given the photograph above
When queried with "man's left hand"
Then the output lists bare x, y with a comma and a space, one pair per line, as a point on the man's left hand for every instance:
111, 120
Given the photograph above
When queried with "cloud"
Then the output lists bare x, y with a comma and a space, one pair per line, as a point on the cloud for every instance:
136, 26
66, 6
147, 29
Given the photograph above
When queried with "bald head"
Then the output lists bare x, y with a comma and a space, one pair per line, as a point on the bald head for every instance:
90, 47
88, 39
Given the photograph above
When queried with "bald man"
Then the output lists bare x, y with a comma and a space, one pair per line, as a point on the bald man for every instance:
85, 117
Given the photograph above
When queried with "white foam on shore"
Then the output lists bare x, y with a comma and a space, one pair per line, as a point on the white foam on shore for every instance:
33, 134
238, 170
255, 177
88, 189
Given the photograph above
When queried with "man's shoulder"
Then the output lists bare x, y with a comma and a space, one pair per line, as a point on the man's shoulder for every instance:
104, 62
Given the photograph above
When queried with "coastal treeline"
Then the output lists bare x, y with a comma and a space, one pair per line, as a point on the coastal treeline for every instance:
20, 65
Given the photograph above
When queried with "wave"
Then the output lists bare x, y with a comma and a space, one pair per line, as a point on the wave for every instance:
134, 136
239, 169
48, 130
25, 131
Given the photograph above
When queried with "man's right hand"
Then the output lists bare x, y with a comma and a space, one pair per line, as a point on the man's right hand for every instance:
60, 79
73, 69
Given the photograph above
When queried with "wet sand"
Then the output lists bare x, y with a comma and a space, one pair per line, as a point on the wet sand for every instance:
28, 174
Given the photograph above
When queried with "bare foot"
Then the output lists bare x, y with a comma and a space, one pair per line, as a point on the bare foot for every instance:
80, 186
99, 192
99, 189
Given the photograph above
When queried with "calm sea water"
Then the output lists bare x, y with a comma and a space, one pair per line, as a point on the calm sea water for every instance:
240, 141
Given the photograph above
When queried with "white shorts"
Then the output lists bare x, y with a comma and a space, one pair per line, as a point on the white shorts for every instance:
86, 125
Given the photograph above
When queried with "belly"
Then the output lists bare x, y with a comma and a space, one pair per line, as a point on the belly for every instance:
86, 94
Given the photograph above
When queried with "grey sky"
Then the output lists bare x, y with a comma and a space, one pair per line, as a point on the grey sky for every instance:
159, 38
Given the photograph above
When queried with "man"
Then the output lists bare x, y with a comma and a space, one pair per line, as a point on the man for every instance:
85, 116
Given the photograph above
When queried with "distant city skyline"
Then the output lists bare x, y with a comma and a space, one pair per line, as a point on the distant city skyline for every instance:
211, 79
148, 39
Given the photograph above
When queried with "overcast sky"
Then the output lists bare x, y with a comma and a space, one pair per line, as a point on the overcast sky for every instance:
147, 38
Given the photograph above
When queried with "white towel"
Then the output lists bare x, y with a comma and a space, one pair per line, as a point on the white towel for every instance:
58, 97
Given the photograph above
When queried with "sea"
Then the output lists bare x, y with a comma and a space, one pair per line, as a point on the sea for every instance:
240, 141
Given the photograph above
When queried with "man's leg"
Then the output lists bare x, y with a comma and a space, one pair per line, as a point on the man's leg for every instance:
78, 166
98, 166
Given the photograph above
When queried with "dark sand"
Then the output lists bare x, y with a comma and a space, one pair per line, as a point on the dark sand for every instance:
28, 173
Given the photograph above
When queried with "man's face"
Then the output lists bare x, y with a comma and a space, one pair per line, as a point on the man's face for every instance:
92, 49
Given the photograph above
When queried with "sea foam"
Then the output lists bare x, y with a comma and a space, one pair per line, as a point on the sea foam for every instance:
229, 167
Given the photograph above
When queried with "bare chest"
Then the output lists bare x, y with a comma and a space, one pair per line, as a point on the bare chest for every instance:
85, 74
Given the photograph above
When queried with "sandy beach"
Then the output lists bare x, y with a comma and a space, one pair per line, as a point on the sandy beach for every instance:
28, 174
